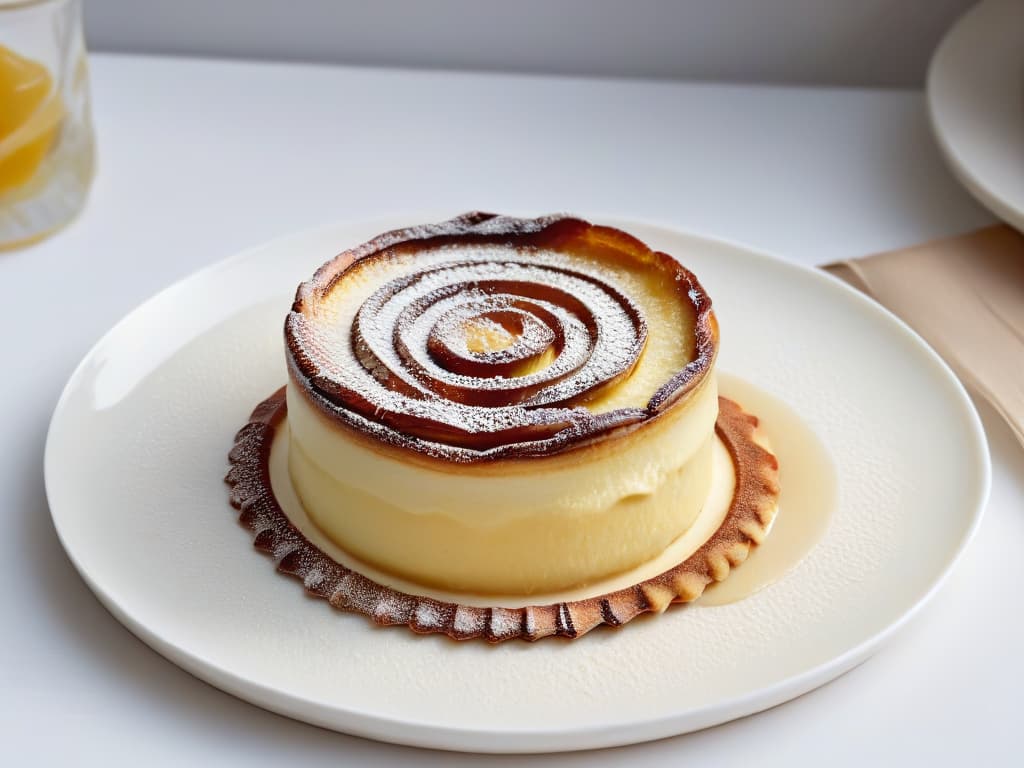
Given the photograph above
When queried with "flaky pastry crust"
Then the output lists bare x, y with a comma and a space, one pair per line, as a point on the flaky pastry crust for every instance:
746, 523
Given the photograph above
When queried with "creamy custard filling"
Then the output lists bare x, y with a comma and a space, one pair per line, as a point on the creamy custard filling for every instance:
508, 527
711, 516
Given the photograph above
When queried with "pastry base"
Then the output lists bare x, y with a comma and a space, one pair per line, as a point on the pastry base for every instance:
746, 522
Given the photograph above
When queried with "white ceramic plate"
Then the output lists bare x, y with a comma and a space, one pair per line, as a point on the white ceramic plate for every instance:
976, 103
137, 451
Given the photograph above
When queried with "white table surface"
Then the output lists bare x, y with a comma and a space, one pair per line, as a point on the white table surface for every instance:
199, 159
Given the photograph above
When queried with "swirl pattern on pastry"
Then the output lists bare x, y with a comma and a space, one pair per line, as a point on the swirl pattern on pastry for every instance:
490, 341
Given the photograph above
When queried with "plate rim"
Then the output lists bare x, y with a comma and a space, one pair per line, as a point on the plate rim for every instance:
619, 732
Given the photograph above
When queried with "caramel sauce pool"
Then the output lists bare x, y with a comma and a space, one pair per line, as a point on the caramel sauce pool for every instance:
808, 496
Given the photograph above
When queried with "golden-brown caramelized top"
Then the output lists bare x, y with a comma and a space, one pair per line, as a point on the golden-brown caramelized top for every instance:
489, 337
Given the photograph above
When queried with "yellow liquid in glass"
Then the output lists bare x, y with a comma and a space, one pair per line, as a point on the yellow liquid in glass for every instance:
30, 118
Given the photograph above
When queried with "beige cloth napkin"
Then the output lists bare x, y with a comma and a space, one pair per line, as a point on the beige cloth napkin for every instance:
965, 296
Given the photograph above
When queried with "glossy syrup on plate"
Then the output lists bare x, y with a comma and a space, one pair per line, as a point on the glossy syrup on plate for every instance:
808, 495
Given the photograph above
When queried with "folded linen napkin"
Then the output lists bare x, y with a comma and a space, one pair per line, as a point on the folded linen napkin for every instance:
965, 296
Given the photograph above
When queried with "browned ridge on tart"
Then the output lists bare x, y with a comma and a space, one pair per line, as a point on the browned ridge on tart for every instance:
747, 521
407, 373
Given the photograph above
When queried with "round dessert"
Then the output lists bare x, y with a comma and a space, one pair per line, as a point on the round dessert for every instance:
502, 406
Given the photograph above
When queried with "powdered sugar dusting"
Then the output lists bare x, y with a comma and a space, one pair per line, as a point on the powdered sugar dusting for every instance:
396, 361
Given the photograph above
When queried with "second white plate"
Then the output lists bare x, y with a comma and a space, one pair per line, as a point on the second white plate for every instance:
137, 451
976, 104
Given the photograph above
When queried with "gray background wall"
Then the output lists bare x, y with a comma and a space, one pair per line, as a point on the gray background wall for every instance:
834, 42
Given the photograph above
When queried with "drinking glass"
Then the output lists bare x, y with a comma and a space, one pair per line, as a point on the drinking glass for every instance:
46, 139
